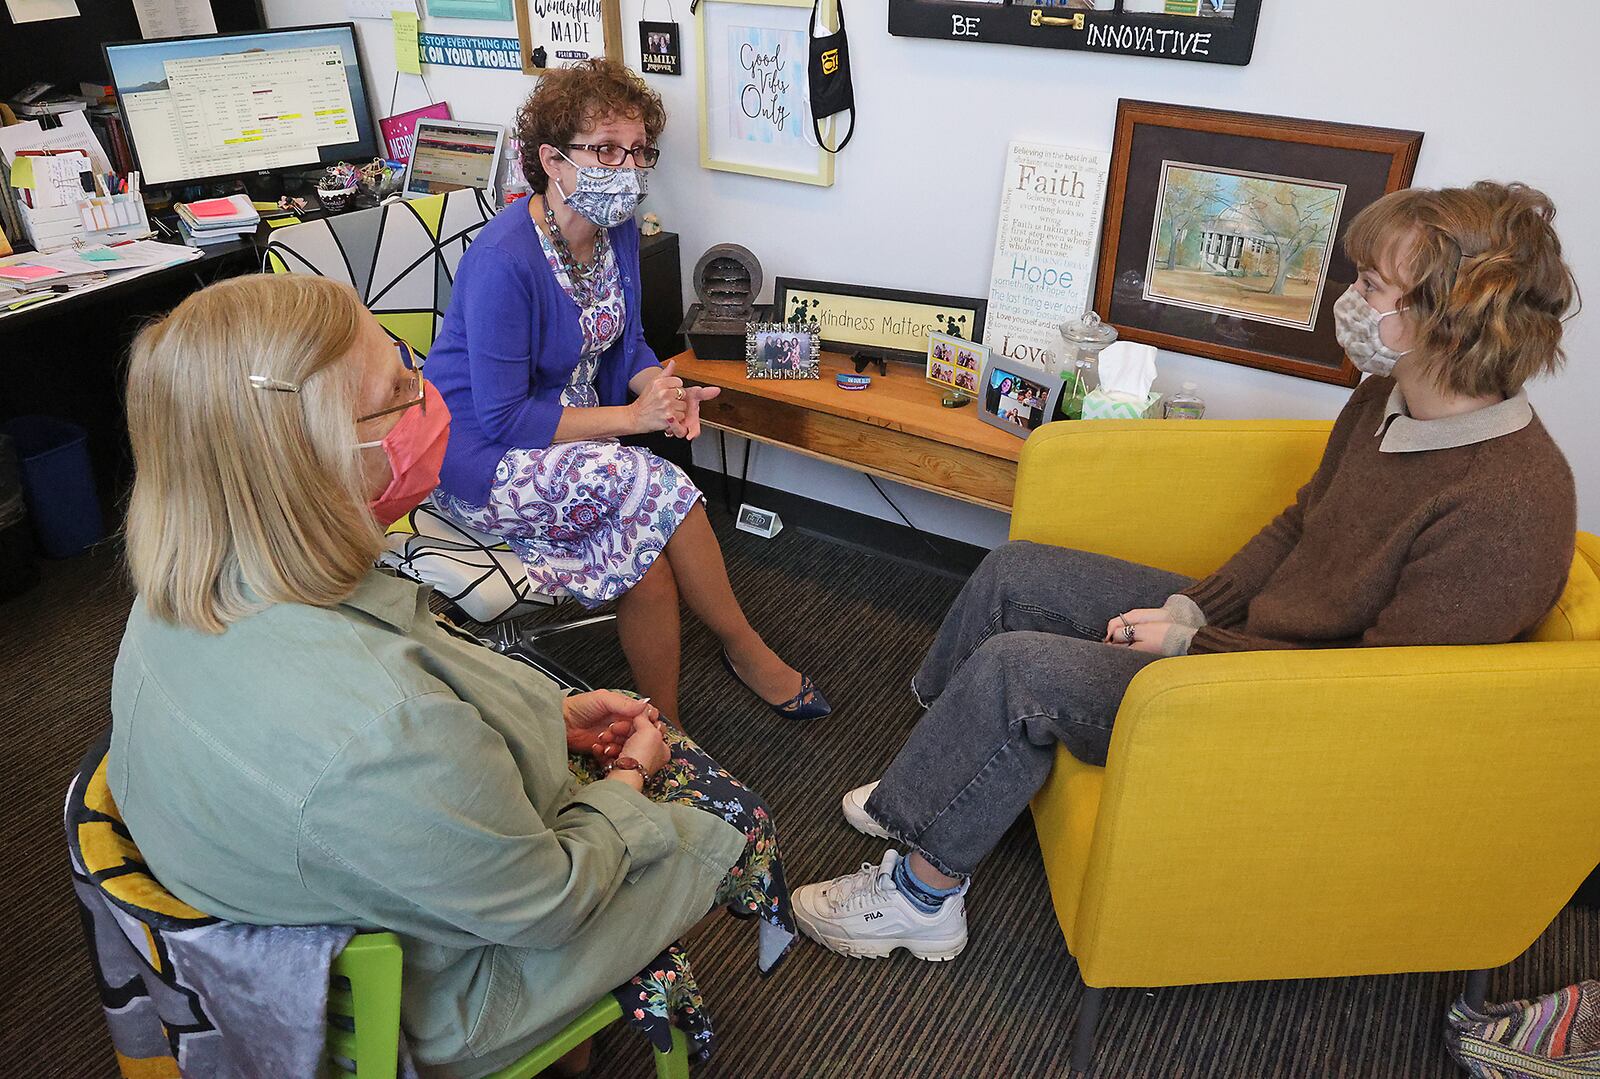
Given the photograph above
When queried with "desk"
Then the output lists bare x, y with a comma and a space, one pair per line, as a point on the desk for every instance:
896, 429
68, 357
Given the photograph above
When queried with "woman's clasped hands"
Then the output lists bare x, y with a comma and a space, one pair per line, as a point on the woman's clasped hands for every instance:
666, 404
606, 724
1143, 629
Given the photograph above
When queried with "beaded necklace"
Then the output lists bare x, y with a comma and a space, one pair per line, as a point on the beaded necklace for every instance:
582, 277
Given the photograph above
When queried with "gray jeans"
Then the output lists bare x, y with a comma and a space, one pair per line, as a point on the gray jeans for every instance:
1017, 667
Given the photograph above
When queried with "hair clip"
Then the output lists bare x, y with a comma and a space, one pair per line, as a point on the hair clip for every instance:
266, 382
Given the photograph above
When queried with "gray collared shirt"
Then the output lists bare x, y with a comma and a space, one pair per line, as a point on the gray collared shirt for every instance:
1403, 434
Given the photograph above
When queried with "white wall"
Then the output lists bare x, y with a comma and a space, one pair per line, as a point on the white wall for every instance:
1499, 94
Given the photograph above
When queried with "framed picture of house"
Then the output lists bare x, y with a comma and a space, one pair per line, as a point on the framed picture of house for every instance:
1222, 231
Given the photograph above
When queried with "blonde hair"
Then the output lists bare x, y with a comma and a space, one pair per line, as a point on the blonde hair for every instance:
245, 497
1484, 278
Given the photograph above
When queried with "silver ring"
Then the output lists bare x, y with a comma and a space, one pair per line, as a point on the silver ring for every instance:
1127, 632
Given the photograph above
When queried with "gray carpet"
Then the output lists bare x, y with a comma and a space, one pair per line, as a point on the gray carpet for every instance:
859, 622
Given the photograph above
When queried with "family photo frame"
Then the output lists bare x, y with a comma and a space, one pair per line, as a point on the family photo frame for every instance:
955, 364
782, 350
1223, 232
1016, 397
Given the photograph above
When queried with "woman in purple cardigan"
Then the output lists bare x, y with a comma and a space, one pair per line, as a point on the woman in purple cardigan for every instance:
543, 362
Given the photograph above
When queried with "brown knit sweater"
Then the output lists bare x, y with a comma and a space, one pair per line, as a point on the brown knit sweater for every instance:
1465, 545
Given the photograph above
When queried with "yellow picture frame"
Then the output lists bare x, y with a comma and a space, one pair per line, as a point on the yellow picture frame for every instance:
773, 70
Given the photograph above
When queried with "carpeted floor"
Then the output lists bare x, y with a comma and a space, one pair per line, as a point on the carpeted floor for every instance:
859, 622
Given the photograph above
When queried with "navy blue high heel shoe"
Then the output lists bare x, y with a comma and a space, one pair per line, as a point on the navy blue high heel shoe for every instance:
809, 703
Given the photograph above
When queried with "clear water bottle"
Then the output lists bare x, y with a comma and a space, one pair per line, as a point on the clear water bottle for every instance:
1184, 405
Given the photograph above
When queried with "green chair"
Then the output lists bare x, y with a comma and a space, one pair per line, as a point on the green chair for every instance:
364, 1019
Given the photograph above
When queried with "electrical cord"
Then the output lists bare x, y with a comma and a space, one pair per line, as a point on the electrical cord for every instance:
923, 536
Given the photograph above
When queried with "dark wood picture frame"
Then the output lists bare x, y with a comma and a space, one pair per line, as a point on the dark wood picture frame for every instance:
1362, 163
1207, 40
974, 306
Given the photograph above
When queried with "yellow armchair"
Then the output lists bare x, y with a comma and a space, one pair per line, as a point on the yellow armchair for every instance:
1302, 814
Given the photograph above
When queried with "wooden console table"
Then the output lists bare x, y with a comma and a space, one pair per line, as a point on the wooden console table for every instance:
896, 428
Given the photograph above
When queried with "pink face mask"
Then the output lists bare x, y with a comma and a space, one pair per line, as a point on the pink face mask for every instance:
415, 448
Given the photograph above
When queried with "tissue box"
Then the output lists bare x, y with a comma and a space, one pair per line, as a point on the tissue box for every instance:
1098, 406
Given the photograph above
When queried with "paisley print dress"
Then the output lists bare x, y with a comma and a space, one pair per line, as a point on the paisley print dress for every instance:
587, 519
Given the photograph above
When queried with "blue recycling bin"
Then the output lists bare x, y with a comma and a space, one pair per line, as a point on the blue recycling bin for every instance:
58, 483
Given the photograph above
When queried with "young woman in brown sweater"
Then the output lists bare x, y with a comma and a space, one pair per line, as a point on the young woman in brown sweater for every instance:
1442, 513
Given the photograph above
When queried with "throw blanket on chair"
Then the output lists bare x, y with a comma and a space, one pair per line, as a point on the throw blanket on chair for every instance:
186, 994
1554, 1037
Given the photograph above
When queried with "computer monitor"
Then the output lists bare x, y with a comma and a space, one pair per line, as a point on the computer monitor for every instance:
205, 108
448, 155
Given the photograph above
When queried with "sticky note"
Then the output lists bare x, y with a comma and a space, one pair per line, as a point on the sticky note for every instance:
104, 254
407, 58
214, 208
279, 222
28, 273
22, 172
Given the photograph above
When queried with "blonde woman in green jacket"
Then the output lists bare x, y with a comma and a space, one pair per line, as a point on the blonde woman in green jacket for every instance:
297, 740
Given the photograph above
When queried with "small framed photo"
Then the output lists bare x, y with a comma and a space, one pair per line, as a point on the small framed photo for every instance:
782, 350
1016, 397
955, 363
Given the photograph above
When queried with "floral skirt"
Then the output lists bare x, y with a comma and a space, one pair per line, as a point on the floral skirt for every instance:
587, 519
664, 994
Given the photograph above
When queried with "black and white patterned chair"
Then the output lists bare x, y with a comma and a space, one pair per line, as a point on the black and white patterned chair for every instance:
401, 258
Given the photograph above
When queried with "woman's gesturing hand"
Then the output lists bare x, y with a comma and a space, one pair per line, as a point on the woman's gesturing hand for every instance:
663, 404
693, 396
598, 723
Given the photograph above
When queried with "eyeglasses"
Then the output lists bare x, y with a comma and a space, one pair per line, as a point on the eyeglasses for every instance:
612, 155
417, 394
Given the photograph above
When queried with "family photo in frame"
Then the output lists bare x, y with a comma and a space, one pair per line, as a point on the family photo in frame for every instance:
782, 350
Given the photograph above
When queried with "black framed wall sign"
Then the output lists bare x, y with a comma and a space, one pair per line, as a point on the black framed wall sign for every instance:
1204, 31
881, 323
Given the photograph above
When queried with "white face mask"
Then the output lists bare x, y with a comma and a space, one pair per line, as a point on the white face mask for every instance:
1356, 326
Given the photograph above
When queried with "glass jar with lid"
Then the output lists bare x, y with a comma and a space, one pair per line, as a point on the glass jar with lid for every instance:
1086, 337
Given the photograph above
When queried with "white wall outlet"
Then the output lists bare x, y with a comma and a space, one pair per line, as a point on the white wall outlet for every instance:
763, 523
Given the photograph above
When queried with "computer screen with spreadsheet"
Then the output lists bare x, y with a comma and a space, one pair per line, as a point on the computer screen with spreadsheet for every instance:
200, 108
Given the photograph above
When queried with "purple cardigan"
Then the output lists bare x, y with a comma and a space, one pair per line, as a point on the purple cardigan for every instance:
509, 344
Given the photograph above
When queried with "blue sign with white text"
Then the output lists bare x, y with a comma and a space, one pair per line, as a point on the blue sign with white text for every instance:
456, 50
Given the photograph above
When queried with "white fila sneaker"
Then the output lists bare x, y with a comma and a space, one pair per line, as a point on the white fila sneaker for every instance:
855, 811
864, 916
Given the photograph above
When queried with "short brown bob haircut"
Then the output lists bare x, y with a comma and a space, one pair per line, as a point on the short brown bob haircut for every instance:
573, 99
1480, 268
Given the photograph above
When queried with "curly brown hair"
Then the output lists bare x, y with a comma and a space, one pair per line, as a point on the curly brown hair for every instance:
1484, 277
572, 99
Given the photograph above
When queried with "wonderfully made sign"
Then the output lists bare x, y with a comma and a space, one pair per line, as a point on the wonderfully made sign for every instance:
456, 50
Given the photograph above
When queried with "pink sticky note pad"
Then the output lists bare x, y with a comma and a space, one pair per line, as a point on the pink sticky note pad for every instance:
213, 208
28, 273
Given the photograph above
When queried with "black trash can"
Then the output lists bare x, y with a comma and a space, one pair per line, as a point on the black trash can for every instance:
57, 483
18, 571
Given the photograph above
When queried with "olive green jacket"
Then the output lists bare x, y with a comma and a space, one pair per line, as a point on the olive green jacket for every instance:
363, 765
